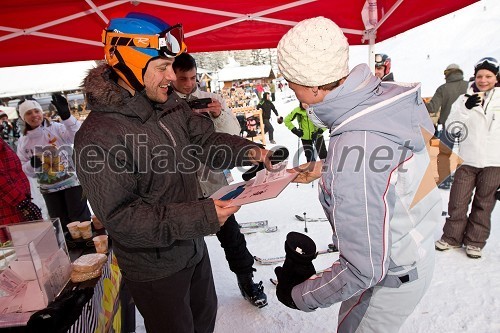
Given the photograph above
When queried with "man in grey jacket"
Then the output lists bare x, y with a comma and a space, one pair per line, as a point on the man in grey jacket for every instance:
137, 156
441, 102
374, 189
231, 239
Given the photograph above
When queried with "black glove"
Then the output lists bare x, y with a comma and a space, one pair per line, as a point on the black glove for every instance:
35, 161
29, 210
497, 195
300, 252
61, 105
284, 288
280, 120
315, 134
278, 155
298, 132
472, 101
60, 314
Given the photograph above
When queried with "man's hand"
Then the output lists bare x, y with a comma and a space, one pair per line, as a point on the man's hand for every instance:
307, 172
223, 212
256, 155
215, 108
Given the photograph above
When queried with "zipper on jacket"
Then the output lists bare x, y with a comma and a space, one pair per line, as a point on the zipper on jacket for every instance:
164, 128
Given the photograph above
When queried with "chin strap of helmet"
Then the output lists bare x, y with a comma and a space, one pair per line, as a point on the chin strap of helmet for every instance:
127, 72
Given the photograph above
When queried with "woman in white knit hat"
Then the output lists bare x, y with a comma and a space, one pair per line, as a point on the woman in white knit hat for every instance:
381, 204
46, 152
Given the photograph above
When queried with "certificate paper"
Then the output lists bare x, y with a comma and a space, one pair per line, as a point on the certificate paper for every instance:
267, 184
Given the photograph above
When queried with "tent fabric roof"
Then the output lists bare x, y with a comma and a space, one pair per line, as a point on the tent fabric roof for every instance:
50, 31
245, 73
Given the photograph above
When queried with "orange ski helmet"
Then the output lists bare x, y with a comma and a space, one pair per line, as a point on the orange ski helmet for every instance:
131, 42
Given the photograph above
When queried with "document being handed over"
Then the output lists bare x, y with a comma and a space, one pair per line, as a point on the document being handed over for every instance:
267, 184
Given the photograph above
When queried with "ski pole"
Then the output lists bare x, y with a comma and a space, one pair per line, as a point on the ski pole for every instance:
298, 154
305, 222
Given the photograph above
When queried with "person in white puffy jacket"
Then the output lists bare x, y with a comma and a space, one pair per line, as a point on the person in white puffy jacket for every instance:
475, 120
46, 152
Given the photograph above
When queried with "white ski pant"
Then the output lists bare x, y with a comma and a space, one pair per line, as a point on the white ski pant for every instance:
385, 308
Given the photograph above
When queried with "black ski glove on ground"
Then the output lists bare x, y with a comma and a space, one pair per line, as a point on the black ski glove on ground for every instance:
300, 252
35, 161
472, 101
61, 105
29, 210
298, 132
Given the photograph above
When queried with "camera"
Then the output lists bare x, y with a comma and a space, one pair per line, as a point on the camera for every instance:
201, 103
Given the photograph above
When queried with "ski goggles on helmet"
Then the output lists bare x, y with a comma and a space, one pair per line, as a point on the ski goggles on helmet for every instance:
488, 60
379, 60
168, 43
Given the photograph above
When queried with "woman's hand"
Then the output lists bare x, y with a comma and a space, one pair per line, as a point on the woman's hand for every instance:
307, 172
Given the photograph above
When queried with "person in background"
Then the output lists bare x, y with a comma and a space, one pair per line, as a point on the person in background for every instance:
139, 150
259, 89
272, 90
9, 130
310, 135
472, 120
266, 106
5, 127
441, 102
383, 67
15, 197
231, 239
368, 184
46, 152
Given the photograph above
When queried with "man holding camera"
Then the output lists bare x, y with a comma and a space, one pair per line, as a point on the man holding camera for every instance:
232, 240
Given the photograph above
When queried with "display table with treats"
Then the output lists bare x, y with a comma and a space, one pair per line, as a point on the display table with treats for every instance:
93, 300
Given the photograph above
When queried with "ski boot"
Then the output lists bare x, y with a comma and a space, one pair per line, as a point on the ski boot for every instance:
252, 292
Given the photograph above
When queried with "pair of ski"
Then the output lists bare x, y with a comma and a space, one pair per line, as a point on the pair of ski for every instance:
263, 225
257, 226
276, 260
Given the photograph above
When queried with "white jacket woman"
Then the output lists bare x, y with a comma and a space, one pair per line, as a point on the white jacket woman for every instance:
475, 119
46, 152
479, 127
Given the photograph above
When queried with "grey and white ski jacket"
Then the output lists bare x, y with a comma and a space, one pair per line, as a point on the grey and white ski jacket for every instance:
375, 188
